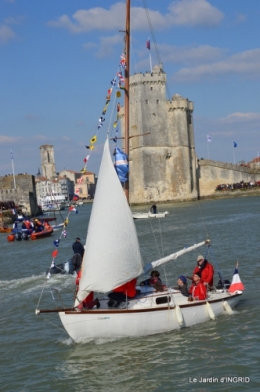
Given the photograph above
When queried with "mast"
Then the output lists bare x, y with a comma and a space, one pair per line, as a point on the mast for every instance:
126, 102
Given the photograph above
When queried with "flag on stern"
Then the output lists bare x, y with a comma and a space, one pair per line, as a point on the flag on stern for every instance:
236, 283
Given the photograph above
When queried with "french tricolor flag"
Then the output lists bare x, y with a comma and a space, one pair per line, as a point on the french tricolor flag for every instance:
236, 284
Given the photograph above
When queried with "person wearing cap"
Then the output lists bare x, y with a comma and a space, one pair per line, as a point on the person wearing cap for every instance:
197, 290
182, 285
206, 269
78, 247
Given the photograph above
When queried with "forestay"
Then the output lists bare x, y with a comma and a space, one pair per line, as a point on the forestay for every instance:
112, 255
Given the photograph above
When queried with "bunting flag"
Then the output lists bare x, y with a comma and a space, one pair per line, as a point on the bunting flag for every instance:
236, 283
56, 243
209, 138
54, 253
64, 233
148, 44
83, 170
93, 140
118, 107
75, 197
66, 222
73, 209
121, 165
118, 94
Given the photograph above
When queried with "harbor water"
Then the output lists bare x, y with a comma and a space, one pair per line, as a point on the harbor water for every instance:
36, 354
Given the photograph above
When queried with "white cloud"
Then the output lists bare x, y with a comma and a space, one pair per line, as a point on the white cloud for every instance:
239, 117
6, 34
245, 64
194, 13
181, 13
9, 139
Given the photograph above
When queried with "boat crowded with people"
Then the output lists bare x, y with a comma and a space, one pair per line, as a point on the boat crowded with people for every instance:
112, 260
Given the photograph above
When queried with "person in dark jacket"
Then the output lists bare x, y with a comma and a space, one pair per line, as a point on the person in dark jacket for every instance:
182, 286
78, 247
154, 281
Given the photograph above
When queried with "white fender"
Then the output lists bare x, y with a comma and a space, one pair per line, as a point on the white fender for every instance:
227, 307
210, 311
179, 314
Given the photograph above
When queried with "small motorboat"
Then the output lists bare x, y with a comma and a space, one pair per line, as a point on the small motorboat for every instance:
148, 215
48, 230
63, 268
5, 229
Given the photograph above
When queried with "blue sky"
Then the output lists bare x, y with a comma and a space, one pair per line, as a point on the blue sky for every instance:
59, 56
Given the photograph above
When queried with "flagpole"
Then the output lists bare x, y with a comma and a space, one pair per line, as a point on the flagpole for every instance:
208, 148
150, 57
234, 155
12, 159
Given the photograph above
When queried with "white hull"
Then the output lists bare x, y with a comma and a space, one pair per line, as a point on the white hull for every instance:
146, 215
56, 207
145, 317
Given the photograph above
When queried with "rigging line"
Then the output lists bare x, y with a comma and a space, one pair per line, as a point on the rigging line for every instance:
51, 323
203, 220
155, 44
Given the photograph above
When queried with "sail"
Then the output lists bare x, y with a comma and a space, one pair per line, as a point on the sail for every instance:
154, 264
112, 255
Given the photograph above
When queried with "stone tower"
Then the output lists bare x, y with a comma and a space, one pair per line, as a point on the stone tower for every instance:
47, 161
162, 163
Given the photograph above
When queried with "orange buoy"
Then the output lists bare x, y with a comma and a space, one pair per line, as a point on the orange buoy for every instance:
10, 237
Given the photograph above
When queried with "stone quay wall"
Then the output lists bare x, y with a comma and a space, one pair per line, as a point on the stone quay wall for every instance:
213, 173
24, 194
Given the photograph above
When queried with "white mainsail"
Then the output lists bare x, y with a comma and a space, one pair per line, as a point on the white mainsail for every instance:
112, 255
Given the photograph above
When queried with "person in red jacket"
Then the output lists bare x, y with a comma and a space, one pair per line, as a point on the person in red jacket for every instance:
206, 269
88, 302
121, 293
197, 290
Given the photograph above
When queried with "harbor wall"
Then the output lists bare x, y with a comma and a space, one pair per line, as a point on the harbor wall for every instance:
23, 194
213, 173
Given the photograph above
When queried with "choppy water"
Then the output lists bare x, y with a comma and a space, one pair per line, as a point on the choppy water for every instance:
37, 355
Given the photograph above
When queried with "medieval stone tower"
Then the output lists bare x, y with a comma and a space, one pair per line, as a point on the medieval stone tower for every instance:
47, 161
162, 163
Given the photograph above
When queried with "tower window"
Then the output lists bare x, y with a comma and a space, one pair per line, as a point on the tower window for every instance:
146, 101
151, 88
48, 157
157, 101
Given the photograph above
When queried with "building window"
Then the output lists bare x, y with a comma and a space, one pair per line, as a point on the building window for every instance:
157, 101
151, 88
146, 101
48, 157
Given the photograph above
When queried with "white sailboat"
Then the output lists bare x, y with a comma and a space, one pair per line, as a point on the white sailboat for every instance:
118, 261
